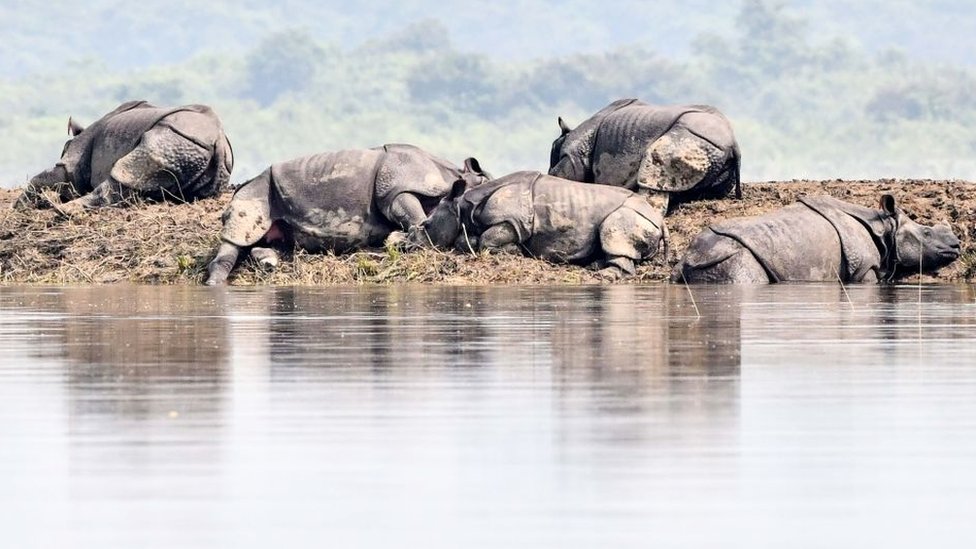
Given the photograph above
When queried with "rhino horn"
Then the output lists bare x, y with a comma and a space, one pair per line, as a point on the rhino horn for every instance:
74, 128
888, 204
563, 127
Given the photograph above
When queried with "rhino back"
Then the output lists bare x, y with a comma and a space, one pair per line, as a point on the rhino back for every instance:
625, 135
793, 243
119, 132
579, 143
116, 135
328, 199
507, 199
567, 217
406, 168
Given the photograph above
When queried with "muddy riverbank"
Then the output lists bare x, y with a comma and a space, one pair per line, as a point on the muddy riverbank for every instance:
172, 244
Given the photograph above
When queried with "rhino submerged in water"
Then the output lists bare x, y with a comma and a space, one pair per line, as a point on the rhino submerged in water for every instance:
548, 218
671, 153
335, 201
817, 239
138, 149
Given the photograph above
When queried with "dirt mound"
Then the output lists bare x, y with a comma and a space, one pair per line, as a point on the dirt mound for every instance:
172, 243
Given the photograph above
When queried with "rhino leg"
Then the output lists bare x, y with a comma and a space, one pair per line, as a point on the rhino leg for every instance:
107, 193
223, 262
502, 237
627, 238
267, 258
406, 211
716, 259
618, 267
659, 200
36, 195
679, 161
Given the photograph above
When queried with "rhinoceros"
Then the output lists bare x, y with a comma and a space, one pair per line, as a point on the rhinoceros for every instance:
335, 201
138, 149
548, 218
670, 153
817, 239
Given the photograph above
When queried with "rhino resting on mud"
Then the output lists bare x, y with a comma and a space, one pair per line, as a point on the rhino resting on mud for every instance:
137, 150
335, 201
671, 153
817, 239
548, 218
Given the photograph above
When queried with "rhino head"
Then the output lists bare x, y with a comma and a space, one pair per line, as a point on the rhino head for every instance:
71, 154
62, 177
443, 225
920, 247
569, 157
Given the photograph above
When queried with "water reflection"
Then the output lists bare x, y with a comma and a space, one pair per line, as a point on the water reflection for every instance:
890, 325
486, 416
376, 329
139, 352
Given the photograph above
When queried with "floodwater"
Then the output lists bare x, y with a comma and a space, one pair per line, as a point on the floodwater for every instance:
785, 416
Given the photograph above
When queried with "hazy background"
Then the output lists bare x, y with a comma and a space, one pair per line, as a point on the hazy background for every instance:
814, 88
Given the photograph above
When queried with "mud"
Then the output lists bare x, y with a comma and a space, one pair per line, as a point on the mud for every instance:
172, 243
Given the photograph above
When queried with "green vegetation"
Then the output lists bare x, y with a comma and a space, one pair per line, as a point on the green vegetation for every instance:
802, 106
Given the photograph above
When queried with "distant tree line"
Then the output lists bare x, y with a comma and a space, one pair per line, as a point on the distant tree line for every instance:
802, 107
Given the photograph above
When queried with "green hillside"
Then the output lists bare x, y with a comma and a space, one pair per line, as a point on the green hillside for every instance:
804, 103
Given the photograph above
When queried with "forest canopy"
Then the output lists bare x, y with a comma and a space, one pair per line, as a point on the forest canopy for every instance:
803, 105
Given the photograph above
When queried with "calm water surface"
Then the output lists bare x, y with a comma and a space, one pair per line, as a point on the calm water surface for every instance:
784, 416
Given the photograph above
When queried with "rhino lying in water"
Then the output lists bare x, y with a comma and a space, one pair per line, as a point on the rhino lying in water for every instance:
549, 218
141, 150
817, 239
335, 201
672, 153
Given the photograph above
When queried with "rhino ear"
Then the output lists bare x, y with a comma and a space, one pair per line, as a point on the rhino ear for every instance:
472, 165
563, 127
888, 204
457, 189
74, 128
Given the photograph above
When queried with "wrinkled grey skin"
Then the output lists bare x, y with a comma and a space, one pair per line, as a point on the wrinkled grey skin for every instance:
548, 218
670, 153
335, 201
139, 150
817, 239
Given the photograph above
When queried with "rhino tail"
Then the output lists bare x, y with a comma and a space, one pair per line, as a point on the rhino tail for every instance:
220, 167
736, 172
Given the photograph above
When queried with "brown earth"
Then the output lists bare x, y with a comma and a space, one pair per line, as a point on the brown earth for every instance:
172, 243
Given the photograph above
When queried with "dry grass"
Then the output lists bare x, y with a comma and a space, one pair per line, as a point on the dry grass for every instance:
172, 244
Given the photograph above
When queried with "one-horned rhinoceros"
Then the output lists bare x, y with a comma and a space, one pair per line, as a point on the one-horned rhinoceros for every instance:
671, 153
817, 239
335, 201
138, 149
548, 218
